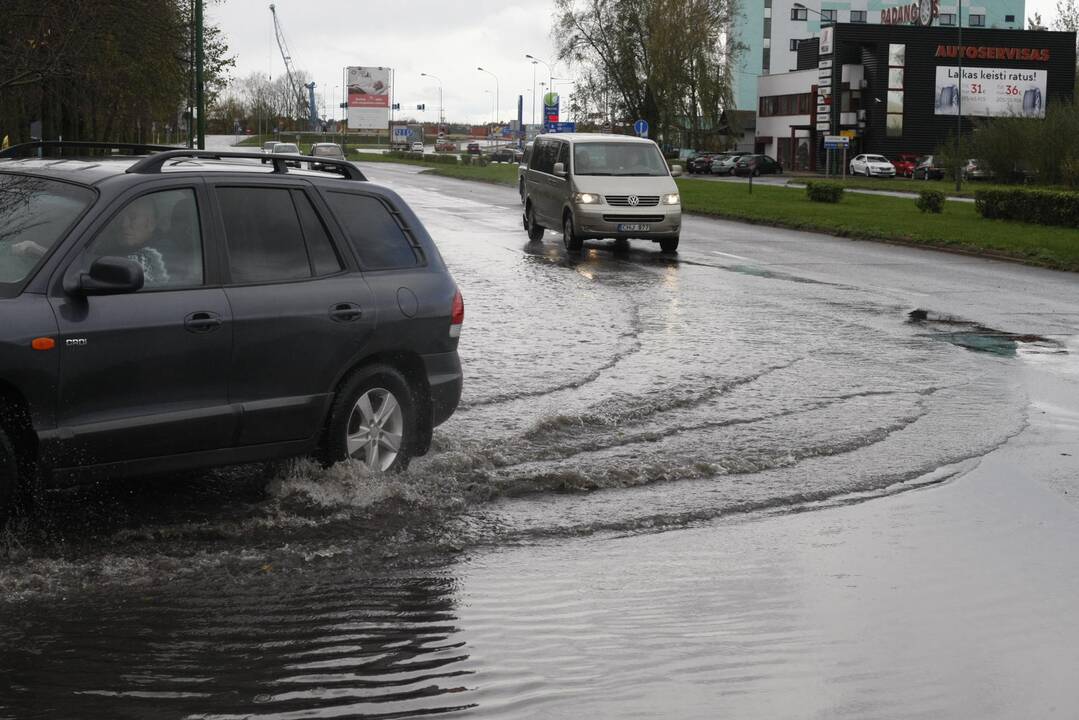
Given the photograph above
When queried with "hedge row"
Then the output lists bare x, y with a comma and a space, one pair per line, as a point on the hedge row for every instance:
439, 158
1043, 207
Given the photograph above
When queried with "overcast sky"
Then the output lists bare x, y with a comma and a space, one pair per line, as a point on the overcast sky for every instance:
446, 38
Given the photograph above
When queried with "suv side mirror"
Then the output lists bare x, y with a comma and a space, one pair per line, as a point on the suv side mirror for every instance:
560, 169
107, 276
676, 170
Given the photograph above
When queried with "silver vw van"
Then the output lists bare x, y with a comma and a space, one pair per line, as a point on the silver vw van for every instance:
601, 186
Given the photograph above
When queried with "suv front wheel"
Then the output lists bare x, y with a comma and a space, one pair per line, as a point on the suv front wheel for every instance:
570, 239
9, 475
535, 230
373, 421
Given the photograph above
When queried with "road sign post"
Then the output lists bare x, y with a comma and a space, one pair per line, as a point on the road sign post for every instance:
641, 128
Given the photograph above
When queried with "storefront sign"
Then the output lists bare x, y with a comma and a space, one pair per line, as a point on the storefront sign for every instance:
922, 12
826, 35
991, 92
972, 52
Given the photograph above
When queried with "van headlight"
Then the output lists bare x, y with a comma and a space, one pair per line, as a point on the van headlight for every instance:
586, 198
671, 199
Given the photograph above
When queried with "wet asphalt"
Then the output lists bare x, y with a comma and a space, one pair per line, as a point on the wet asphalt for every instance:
629, 417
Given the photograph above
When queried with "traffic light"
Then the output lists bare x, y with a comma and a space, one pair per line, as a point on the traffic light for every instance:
421, 106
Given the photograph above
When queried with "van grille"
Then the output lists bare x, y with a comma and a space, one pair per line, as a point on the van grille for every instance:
642, 200
634, 218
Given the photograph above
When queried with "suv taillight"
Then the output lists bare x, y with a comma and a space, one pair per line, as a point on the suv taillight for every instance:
457, 316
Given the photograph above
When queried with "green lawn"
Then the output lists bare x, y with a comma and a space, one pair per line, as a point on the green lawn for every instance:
873, 217
497, 173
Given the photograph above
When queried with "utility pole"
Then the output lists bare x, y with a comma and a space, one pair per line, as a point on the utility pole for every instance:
959, 109
200, 88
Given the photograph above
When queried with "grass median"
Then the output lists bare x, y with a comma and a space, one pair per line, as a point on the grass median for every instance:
970, 187
873, 217
496, 173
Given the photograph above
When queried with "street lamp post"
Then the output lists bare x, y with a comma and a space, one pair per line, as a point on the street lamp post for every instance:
550, 74
497, 102
441, 117
959, 107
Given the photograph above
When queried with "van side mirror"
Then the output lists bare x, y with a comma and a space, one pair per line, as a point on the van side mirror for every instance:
107, 276
676, 171
560, 169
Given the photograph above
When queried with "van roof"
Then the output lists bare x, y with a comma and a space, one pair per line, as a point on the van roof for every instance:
595, 137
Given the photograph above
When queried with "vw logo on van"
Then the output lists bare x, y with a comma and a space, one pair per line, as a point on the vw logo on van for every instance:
633, 201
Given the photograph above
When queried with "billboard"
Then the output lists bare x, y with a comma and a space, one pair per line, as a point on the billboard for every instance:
991, 92
368, 98
550, 107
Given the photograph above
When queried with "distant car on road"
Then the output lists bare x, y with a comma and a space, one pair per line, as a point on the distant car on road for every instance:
904, 164
312, 315
724, 164
326, 150
872, 166
975, 170
288, 149
700, 163
928, 168
417, 147
757, 165
504, 154
473, 148
445, 146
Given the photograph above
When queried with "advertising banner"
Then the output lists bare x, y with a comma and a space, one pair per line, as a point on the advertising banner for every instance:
550, 107
991, 92
368, 98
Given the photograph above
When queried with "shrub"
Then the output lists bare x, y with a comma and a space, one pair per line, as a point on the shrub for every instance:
930, 201
1042, 207
824, 192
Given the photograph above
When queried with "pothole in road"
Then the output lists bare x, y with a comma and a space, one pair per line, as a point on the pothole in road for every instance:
979, 338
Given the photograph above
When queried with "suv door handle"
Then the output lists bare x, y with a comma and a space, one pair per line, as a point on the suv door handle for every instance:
346, 312
202, 322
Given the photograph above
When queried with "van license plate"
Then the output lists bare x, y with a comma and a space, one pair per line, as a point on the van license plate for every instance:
634, 228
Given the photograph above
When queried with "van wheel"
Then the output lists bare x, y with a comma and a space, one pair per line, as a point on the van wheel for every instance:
9, 475
569, 238
669, 245
373, 421
535, 230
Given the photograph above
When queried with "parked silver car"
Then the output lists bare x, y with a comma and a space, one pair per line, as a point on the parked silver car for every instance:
725, 164
601, 186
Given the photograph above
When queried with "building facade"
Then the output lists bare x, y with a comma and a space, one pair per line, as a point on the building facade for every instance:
771, 30
898, 89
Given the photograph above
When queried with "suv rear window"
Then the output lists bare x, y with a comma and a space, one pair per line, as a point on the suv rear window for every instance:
266, 242
375, 235
35, 214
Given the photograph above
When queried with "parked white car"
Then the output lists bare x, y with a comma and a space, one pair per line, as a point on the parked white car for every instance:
417, 147
872, 165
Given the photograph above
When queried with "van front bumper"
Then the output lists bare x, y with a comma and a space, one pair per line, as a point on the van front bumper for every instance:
606, 221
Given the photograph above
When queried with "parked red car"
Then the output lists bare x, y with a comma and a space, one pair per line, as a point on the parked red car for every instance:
473, 148
905, 164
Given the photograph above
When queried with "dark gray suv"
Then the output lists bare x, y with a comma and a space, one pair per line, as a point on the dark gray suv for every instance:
176, 309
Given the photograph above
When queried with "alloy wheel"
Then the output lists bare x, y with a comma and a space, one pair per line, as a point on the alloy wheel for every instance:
375, 429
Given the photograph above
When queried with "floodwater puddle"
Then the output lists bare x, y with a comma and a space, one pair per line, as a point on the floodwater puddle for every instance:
979, 338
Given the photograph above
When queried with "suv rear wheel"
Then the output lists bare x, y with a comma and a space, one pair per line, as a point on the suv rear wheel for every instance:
570, 239
373, 421
668, 245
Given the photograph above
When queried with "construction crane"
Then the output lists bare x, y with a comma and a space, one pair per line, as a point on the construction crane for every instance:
305, 106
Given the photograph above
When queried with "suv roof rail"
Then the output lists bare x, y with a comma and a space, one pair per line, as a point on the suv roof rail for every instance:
136, 148
153, 163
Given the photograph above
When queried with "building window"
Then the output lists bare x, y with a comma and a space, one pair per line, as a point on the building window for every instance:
895, 78
895, 126
897, 55
767, 28
857, 16
799, 14
827, 16
977, 20
794, 44
1009, 18
895, 101
947, 20
766, 60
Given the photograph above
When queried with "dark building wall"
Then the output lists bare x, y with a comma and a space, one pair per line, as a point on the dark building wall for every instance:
923, 130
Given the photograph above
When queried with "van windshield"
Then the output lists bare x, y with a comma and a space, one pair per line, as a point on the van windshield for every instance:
618, 158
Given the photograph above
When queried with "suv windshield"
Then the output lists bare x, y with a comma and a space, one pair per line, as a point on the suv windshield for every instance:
286, 148
34, 214
618, 158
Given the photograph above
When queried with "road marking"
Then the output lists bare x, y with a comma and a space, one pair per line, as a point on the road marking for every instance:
736, 257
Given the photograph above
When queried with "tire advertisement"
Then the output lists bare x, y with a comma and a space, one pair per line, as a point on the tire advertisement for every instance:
991, 92
368, 98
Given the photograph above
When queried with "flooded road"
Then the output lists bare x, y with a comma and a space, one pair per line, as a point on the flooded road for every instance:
676, 486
